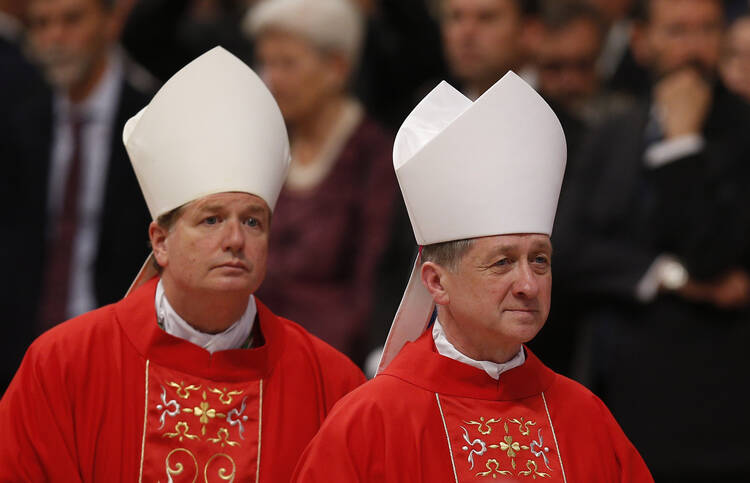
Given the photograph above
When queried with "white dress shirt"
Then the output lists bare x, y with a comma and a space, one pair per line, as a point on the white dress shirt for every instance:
99, 110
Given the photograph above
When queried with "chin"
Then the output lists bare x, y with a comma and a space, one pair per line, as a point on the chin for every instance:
233, 284
524, 332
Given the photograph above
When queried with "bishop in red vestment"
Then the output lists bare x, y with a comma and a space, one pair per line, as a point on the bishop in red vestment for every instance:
429, 418
466, 401
110, 396
189, 377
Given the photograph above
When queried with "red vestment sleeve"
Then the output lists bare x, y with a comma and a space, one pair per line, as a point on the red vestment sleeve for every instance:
350, 447
38, 435
632, 466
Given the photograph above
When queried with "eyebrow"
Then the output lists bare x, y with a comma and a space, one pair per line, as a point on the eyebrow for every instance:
217, 207
510, 247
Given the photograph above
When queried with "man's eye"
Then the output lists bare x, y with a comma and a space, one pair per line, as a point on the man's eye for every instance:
252, 222
211, 220
542, 260
502, 262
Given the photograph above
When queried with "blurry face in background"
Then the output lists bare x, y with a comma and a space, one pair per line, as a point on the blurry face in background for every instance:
482, 38
681, 33
300, 76
69, 38
567, 63
735, 63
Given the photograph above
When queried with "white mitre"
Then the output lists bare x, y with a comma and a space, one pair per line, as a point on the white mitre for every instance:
213, 127
471, 169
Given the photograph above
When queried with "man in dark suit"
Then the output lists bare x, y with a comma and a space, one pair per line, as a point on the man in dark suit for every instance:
659, 254
484, 39
76, 227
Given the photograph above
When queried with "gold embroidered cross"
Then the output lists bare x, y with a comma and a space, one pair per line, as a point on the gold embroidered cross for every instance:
204, 412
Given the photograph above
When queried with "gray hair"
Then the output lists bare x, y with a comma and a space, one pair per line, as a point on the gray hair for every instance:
331, 25
447, 254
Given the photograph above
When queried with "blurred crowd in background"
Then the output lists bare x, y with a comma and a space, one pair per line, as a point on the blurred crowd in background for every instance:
651, 298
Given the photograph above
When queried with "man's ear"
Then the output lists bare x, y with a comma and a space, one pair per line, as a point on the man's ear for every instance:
158, 237
434, 278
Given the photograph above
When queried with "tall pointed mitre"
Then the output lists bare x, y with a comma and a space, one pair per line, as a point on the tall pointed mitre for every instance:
213, 127
472, 169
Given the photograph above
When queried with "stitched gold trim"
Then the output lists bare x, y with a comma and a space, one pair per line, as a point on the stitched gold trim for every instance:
179, 467
260, 432
447, 437
145, 418
549, 418
222, 471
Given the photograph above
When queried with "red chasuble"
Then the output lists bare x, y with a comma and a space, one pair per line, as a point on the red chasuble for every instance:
429, 418
109, 396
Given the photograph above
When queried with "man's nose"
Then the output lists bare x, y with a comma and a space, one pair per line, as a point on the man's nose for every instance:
234, 235
525, 285
466, 30
51, 34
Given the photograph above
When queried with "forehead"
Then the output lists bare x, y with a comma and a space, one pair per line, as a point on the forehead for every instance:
229, 201
520, 243
685, 10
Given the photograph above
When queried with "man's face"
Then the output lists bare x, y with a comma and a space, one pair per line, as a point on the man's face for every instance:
218, 243
68, 37
300, 77
501, 288
682, 33
567, 63
482, 38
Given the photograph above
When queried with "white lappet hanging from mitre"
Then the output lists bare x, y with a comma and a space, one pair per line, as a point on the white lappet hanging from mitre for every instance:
213, 127
472, 169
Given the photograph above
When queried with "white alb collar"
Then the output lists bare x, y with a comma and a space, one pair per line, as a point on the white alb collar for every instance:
232, 338
493, 369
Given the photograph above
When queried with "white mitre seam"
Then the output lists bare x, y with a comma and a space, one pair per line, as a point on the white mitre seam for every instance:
428, 119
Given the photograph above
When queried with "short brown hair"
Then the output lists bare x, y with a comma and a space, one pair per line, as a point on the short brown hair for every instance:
167, 222
446, 254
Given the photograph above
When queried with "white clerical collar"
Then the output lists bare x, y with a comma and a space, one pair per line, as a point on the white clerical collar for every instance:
232, 338
493, 369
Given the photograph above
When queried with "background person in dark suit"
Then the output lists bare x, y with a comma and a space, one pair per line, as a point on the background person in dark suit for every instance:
659, 253
77, 227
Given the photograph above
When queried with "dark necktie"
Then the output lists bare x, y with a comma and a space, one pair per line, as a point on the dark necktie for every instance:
60, 242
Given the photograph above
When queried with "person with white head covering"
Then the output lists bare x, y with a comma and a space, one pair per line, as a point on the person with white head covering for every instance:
189, 375
465, 399
322, 269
